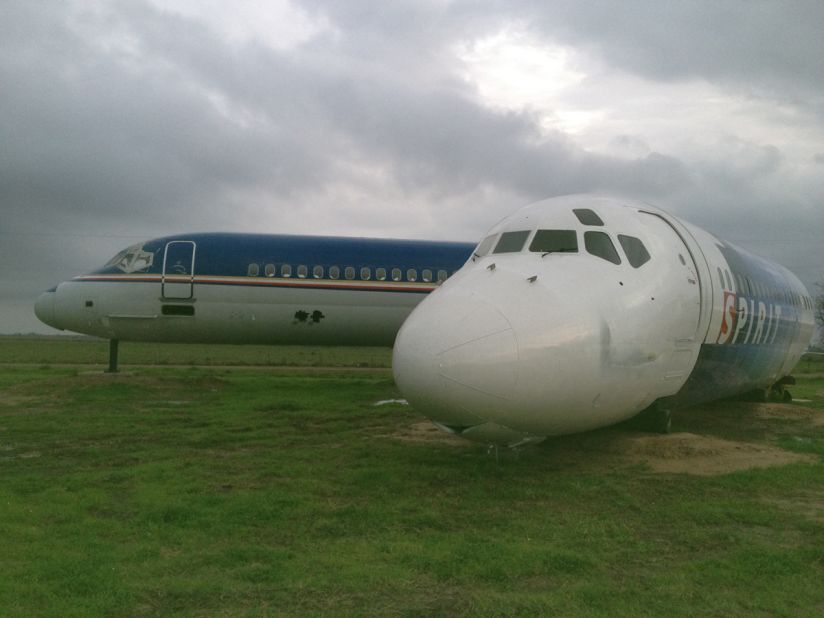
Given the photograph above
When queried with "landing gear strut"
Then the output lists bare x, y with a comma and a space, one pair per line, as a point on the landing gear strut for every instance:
779, 392
776, 392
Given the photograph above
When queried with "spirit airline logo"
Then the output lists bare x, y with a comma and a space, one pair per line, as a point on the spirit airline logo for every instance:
746, 320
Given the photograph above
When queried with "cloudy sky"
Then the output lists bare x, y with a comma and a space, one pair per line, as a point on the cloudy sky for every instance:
131, 119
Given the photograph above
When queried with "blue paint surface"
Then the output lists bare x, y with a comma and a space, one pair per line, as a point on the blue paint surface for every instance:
230, 255
752, 352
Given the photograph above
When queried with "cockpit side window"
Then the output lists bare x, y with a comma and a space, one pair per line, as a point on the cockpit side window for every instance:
587, 216
511, 242
599, 244
634, 249
554, 241
485, 246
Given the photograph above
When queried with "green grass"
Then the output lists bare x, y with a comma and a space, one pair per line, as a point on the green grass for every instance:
86, 350
210, 491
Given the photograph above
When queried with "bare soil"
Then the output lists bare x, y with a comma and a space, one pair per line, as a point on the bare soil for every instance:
683, 452
689, 453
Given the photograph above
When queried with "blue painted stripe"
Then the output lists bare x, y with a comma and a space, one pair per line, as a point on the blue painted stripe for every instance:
229, 255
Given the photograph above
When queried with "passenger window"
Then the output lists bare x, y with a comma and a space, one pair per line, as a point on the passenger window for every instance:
554, 241
349, 272
485, 246
317, 272
411, 275
365, 273
600, 245
270, 270
396, 274
254, 270
380, 274
511, 242
426, 275
303, 271
334, 272
442, 275
286, 270
634, 249
587, 216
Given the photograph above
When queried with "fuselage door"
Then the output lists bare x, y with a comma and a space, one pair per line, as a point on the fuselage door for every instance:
683, 280
179, 270
680, 297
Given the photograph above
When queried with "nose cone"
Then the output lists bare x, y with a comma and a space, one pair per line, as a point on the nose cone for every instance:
457, 360
44, 309
499, 358
454, 357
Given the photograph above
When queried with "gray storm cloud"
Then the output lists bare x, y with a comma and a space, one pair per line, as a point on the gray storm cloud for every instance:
123, 120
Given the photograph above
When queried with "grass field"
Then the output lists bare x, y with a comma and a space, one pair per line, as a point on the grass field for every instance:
244, 492
86, 350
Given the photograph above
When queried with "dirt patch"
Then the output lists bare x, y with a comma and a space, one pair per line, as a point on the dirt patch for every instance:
425, 431
685, 452
676, 453
689, 453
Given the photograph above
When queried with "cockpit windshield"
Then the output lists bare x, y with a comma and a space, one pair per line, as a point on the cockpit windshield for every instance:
554, 241
547, 241
600, 245
512, 242
485, 246
634, 249
131, 260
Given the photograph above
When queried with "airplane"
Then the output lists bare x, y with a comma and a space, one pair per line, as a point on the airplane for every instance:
583, 311
254, 288
573, 313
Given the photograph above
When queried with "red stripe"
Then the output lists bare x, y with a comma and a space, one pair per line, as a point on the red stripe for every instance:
252, 282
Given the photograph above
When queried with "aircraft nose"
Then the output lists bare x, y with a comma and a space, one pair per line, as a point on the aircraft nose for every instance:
44, 308
497, 357
455, 358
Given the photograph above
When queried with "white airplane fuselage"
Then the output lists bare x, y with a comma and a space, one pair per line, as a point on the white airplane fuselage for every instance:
245, 288
564, 322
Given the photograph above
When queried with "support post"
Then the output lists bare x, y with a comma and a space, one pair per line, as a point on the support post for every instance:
112, 356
